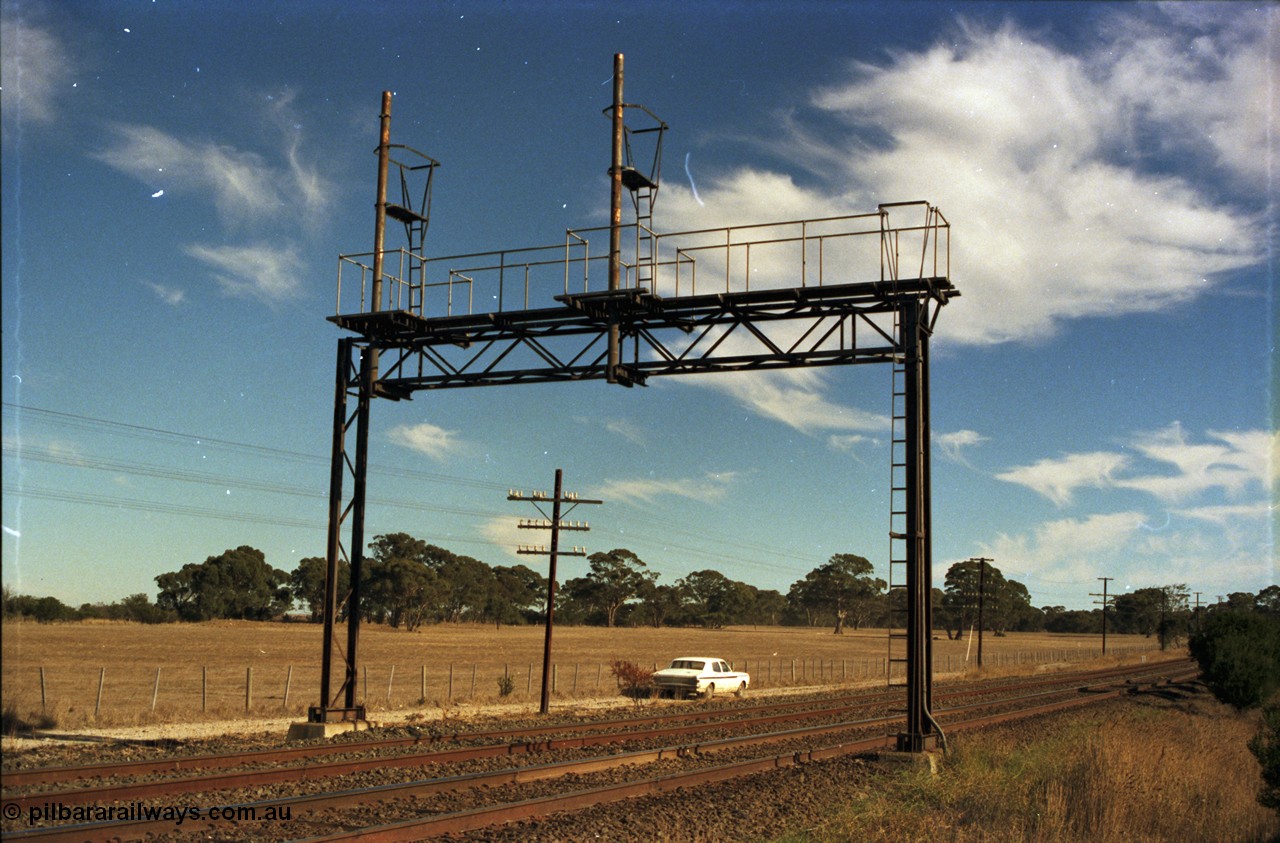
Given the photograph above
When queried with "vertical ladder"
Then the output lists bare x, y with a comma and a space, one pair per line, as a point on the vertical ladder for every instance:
643, 198
413, 211
415, 235
896, 662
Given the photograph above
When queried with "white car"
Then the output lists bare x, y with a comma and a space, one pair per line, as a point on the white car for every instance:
699, 676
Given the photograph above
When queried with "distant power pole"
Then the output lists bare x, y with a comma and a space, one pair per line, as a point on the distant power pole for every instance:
1105, 602
1197, 612
555, 525
982, 595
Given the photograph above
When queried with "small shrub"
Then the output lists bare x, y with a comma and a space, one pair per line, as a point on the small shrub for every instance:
1239, 655
506, 685
10, 722
633, 680
1265, 746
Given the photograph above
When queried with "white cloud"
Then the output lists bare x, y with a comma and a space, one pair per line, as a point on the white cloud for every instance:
1226, 514
711, 487
169, 295
1234, 463
1041, 160
506, 533
1070, 549
848, 442
625, 428
268, 273
241, 184
36, 68
1058, 479
425, 438
247, 187
795, 398
951, 444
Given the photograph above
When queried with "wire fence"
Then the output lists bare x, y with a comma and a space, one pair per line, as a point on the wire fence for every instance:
93, 693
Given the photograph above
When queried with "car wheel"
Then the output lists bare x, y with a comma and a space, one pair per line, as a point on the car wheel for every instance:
711, 690
742, 690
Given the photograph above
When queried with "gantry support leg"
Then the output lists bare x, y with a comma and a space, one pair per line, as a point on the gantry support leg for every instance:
922, 732
340, 703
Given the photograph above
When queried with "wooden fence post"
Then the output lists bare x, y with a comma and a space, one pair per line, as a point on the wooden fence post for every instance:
450, 680
204, 689
288, 678
155, 691
390, 678
248, 688
473, 680
423, 698
102, 675
42, 693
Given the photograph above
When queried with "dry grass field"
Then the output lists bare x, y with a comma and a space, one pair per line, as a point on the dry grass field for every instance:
1150, 769
150, 674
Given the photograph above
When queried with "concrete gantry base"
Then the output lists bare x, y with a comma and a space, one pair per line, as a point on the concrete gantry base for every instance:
909, 761
312, 731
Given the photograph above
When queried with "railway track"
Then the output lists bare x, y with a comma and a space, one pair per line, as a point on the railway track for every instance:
323, 793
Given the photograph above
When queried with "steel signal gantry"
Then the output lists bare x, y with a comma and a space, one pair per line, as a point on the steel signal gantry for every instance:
856, 289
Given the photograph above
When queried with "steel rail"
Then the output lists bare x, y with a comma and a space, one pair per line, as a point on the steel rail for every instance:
472, 820
113, 830
51, 775
735, 716
390, 792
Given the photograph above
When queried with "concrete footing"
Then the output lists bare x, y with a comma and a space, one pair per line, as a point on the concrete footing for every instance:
905, 761
312, 731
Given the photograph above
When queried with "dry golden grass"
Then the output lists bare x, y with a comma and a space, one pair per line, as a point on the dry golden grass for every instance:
1137, 771
216, 656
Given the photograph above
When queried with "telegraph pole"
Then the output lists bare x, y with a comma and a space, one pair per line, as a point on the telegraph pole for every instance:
555, 525
1106, 601
982, 594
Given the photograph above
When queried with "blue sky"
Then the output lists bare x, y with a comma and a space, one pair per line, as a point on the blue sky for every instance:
180, 177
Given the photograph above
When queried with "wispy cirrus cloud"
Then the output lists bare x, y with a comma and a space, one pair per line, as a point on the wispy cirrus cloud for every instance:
795, 398
169, 295
624, 428
1069, 549
264, 272
1059, 478
243, 185
427, 439
952, 445
247, 188
1168, 466
1231, 461
710, 487
36, 67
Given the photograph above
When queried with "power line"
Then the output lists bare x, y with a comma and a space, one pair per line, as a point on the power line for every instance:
81, 422
142, 431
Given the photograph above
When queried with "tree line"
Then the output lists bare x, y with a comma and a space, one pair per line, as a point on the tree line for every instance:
407, 582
